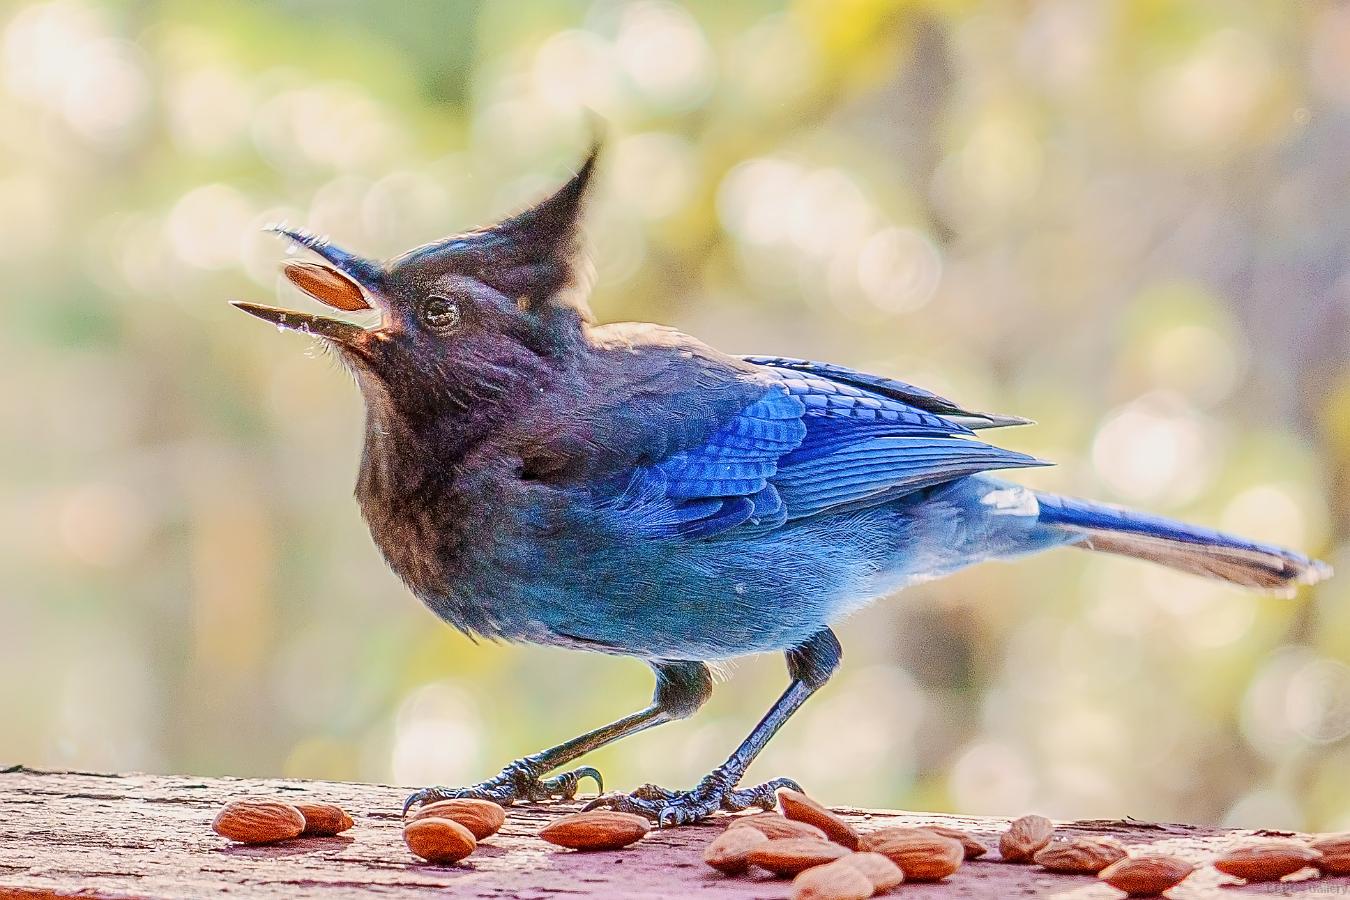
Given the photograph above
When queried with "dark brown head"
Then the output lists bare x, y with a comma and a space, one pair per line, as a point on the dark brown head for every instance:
465, 320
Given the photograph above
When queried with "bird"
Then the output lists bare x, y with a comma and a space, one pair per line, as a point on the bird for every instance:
627, 489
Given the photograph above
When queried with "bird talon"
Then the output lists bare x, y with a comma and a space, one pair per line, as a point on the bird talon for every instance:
421, 798
765, 795
653, 792
669, 808
564, 786
518, 781
625, 803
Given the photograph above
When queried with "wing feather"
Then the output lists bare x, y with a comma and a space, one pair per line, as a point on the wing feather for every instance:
889, 387
819, 439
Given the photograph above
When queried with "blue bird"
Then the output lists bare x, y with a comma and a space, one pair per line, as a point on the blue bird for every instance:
626, 489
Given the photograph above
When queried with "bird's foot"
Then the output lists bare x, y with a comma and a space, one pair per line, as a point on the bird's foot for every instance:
521, 780
717, 791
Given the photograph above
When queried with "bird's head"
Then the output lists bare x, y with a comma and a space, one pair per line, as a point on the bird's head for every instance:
462, 320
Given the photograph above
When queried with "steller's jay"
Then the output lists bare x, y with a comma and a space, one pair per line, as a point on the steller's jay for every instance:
627, 489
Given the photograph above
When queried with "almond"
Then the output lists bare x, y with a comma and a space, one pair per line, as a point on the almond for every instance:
258, 821
326, 285
869, 841
973, 846
788, 856
1267, 861
774, 826
439, 840
1147, 875
1080, 856
832, 881
482, 817
323, 819
801, 808
879, 869
596, 829
921, 854
728, 851
1024, 837
1335, 850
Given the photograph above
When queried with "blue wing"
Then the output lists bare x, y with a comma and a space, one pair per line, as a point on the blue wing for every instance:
723, 482
807, 445
891, 388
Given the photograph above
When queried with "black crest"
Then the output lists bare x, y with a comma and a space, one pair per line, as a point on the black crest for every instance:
535, 256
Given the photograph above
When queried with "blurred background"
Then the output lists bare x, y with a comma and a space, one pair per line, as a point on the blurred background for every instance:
1126, 220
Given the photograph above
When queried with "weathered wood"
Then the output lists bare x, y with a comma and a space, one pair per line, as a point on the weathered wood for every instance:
144, 836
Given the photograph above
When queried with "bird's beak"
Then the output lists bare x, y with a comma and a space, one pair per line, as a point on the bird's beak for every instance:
325, 286
332, 329
365, 272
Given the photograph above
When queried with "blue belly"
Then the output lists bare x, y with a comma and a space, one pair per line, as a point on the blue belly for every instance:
745, 592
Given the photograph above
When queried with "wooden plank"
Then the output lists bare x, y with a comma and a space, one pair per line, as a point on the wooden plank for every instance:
68, 834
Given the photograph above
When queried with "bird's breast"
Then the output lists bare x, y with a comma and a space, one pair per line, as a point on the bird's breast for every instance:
463, 540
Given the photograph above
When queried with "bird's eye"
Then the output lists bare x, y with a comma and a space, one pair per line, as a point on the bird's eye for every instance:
441, 313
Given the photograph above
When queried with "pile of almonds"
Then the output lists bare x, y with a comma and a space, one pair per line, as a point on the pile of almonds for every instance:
827, 859
1272, 860
263, 821
442, 833
449, 830
1148, 874
823, 854
1031, 839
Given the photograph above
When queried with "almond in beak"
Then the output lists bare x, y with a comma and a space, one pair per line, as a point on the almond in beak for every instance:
329, 286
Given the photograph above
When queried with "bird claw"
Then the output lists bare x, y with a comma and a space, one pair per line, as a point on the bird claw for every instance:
666, 807
519, 781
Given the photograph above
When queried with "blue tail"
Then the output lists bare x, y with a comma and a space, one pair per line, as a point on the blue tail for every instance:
1113, 529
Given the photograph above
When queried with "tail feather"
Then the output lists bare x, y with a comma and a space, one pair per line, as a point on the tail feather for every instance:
1189, 548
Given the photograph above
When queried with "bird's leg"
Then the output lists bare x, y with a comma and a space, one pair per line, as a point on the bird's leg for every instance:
810, 666
681, 688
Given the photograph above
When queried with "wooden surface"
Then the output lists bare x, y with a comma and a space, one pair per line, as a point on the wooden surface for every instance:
124, 836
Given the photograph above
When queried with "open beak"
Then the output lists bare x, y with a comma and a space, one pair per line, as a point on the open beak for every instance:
321, 326
365, 272
326, 286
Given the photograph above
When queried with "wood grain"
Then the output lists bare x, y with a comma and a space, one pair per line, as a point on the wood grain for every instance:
65, 834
